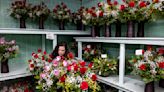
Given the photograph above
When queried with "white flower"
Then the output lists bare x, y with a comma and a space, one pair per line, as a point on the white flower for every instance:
38, 13
88, 46
92, 52
58, 58
49, 83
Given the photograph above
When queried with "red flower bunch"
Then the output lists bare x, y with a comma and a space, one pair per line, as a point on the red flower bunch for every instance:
142, 67
61, 12
38, 60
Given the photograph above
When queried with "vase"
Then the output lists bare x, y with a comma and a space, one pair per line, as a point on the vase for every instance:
61, 25
161, 83
95, 31
149, 87
140, 32
41, 22
118, 29
107, 30
80, 25
22, 23
130, 29
4, 66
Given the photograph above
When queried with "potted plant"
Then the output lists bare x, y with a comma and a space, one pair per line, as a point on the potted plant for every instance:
62, 14
40, 13
20, 10
8, 50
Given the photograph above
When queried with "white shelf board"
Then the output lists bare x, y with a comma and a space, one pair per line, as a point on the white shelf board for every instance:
123, 40
42, 31
16, 70
130, 84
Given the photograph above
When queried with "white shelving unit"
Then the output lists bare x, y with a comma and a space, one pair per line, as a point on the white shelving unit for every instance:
19, 69
121, 82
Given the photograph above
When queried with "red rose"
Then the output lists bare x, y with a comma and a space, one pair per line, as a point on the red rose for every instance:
44, 52
99, 5
90, 65
122, 7
82, 63
69, 68
49, 60
149, 47
94, 15
115, 2
42, 57
143, 52
64, 6
76, 67
39, 50
161, 51
142, 67
93, 8
51, 56
109, 2
142, 4
101, 14
84, 85
94, 77
26, 90
83, 70
36, 56
62, 79
161, 64
31, 65
29, 61
70, 55
131, 4
33, 53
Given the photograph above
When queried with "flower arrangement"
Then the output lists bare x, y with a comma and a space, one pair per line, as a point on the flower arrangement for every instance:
103, 66
39, 60
17, 87
93, 16
160, 65
148, 65
136, 10
66, 74
110, 11
90, 52
20, 9
8, 49
77, 16
38, 11
61, 13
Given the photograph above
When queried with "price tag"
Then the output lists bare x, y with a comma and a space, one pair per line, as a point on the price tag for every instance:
139, 52
103, 55
50, 36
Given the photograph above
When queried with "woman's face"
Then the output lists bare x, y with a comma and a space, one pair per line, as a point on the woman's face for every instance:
61, 50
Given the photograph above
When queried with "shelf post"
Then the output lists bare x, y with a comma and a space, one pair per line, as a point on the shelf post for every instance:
80, 50
122, 64
54, 41
43, 42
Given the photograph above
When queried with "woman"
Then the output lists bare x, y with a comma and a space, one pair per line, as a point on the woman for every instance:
60, 50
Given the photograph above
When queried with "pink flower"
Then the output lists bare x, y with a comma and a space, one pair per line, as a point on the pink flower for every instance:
56, 72
47, 68
58, 58
42, 75
55, 63
65, 63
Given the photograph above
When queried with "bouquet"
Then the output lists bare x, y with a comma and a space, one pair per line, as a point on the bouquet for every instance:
8, 49
18, 87
110, 11
145, 65
103, 66
37, 62
93, 16
77, 17
136, 10
20, 9
61, 13
90, 52
40, 11
66, 74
